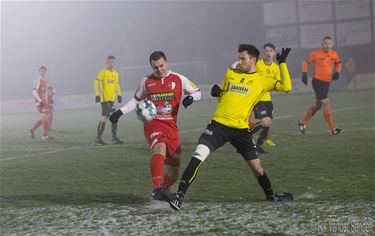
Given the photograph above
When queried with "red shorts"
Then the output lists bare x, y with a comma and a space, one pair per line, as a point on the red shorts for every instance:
43, 109
166, 132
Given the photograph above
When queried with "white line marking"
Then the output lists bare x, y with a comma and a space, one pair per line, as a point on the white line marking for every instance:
82, 147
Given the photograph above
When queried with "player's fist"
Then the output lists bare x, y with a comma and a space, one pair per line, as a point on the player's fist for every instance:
188, 100
115, 116
304, 78
335, 76
281, 58
97, 98
119, 99
215, 91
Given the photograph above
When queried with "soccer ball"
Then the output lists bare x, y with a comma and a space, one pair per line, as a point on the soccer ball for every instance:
146, 110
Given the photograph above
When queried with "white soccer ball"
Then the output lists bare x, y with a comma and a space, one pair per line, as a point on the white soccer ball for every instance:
146, 110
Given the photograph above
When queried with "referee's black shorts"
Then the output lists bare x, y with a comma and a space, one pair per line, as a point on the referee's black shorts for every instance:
107, 108
217, 134
263, 109
321, 88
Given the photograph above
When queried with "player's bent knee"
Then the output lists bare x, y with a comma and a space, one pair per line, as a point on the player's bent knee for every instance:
159, 147
201, 152
174, 161
266, 122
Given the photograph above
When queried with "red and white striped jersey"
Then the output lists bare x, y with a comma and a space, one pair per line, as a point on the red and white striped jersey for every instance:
40, 86
166, 93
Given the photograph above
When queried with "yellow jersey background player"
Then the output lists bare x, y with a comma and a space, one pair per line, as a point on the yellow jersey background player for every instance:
240, 91
263, 110
106, 86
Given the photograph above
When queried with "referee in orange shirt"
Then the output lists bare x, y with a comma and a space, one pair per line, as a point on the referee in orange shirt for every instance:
327, 66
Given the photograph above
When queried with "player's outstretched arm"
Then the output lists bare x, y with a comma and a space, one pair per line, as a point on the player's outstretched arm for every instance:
128, 107
285, 84
115, 116
193, 92
216, 91
188, 100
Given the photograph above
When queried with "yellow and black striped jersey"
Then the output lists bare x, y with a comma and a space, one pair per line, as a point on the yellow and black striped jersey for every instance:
269, 72
108, 83
241, 91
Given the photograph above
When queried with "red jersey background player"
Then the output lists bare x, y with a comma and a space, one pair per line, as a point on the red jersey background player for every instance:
165, 89
41, 102
51, 91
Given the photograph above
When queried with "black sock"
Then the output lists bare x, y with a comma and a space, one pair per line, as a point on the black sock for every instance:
265, 183
263, 136
114, 130
258, 126
189, 175
101, 127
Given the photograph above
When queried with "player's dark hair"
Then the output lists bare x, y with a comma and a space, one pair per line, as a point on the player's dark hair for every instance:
42, 68
327, 37
50, 87
271, 45
111, 57
250, 49
157, 55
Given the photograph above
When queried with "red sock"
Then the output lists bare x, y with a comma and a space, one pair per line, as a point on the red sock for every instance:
50, 119
45, 128
157, 165
37, 125
168, 181
328, 117
310, 113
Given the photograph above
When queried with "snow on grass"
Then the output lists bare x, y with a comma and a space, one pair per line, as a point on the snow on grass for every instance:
298, 218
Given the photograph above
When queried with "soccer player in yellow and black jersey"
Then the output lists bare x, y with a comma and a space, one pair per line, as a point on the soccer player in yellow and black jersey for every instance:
263, 110
106, 86
240, 91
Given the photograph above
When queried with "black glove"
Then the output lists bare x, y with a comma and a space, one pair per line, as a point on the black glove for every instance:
115, 116
281, 58
335, 76
97, 98
41, 103
304, 78
215, 91
188, 100
119, 98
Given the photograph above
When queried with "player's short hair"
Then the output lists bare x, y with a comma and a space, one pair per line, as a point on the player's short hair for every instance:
111, 57
271, 45
327, 37
157, 55
50, 88
250, 49
42, 68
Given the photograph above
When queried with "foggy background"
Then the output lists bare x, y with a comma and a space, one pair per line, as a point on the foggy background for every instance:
200, 38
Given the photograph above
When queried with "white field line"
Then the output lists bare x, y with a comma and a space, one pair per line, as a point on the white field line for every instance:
88, 146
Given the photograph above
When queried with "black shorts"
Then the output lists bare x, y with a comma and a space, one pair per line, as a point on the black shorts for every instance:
216, 135
321, 89
263, 109
107, 108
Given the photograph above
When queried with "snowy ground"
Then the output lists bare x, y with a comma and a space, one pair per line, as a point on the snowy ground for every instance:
156, 218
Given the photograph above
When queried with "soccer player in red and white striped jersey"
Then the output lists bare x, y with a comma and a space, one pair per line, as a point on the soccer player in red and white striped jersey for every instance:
41, 102
166, 90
